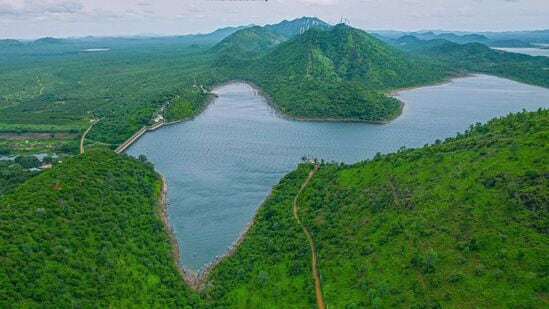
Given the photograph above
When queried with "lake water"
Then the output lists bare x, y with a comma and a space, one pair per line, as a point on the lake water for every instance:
221, 165
532, 51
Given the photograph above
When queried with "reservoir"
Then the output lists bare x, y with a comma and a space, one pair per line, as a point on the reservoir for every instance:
532, 51
222, 164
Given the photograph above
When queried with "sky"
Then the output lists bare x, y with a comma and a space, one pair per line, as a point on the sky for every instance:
29, 19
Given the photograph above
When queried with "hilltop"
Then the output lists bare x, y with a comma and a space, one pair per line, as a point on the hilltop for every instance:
298, 26
256, 39
49, 41
10, 43
246, 44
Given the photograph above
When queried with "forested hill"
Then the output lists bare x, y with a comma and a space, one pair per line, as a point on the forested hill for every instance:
344, 73
477, 57
249, 43
241, 47
460, 223
88, 234
337, 73
297, 26
346, 54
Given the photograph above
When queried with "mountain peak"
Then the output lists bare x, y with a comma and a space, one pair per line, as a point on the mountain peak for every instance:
297, 26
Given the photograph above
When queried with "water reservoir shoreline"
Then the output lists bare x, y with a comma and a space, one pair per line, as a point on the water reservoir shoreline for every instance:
221, 165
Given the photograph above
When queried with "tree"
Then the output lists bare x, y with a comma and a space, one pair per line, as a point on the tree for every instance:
263, 277
28, 161
431, 259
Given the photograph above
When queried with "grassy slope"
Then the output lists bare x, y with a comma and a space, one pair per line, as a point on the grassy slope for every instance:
459, 223
87, 233
478, 203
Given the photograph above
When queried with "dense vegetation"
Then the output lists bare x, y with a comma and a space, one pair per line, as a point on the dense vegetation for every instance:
476, 57
59, 85
458, 223
337, 73
249, 42
88, 234
271, 268
56, 87
461, 222
12, 175
493, 39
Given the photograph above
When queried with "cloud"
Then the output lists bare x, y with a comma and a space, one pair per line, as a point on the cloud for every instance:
67, 11
36, 7
314, 2
320, 2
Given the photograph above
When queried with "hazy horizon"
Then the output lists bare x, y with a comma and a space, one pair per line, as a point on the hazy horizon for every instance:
31, 19
145, 34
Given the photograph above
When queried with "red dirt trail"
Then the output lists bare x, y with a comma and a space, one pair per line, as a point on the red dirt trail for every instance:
319, 300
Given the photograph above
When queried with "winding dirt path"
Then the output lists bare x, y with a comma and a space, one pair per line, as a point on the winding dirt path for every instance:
318, 288
84, 135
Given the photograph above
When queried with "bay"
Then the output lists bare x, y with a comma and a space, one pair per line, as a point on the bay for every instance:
222, 164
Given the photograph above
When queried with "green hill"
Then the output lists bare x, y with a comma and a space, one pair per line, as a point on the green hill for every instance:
10, 43
239, 48
49, 41
476, 57
88, 234
460, 223
298, 26
244, 45
338, 73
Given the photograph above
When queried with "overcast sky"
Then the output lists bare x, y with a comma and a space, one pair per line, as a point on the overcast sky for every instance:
63, 18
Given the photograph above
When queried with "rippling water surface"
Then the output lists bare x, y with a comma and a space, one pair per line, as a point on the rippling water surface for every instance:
221, 165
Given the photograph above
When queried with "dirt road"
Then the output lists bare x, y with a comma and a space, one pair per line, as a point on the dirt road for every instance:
84, 136
319, 299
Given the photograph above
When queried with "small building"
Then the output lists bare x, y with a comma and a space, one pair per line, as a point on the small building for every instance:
159, 118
